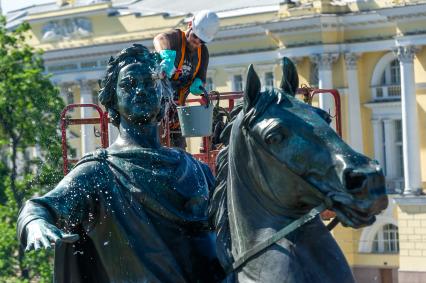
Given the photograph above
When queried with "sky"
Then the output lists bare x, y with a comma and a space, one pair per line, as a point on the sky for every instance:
8, 5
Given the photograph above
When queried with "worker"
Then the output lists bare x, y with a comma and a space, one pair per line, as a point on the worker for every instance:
185, 59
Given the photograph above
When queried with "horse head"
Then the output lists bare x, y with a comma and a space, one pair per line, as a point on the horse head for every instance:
282, 160
290, 142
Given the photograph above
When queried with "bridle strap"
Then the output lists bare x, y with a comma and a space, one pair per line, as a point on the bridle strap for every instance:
276, 237
287, 229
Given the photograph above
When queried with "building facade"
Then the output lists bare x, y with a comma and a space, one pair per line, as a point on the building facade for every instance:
373, 52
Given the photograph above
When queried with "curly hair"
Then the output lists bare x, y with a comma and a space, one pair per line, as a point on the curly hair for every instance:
137, 53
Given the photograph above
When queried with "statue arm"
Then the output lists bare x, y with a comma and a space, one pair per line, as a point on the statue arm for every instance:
73, 202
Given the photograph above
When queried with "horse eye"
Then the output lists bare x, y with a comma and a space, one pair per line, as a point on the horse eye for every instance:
274, 138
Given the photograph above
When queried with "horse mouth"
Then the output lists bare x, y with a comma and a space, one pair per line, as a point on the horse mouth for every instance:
352, 217
363, 197
358, 213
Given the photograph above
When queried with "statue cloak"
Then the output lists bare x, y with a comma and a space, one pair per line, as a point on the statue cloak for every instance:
141, 215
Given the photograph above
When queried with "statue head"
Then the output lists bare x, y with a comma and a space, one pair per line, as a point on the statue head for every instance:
130, 90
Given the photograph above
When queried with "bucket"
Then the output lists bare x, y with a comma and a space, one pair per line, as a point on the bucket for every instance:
196, 120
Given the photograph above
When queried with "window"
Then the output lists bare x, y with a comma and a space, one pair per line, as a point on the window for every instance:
89, 65
390, 82
313, 75
209, 84
269, 80
386, 240
237, 83
95, 96
395, 76
69, 96
62, 68
398, 145
392, 149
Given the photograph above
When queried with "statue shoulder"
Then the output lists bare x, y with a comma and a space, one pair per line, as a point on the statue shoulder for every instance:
204, 168
101, 155
92, 166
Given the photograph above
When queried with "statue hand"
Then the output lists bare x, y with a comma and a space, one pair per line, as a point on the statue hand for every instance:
41, 234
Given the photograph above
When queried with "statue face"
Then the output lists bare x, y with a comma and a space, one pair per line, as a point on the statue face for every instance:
137, 97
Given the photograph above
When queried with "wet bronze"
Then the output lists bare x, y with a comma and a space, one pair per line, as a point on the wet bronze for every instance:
139, 209
281, 160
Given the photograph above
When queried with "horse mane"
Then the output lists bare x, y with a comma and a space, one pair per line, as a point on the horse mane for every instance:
265, 99
218, 211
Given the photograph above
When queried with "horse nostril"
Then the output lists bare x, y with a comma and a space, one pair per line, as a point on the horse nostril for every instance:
354, 180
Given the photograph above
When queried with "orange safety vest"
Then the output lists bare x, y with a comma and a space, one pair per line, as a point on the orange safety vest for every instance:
182, 91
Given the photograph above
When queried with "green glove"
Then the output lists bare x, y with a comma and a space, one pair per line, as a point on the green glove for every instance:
195, 86
167, 65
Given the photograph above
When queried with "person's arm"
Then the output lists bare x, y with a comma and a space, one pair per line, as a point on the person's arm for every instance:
200, 78
163, 45
162, 42
73, 202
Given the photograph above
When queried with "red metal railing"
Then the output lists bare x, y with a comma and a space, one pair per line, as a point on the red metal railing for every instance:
102, 120
206, 155
309, 94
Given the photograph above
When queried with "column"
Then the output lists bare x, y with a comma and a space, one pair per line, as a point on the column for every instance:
63, 90
378, 142
325, 79
354, 106
410, 125
390, 137
87, 131
295, 59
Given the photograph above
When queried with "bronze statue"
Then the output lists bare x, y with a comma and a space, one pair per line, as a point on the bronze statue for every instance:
136, 211
281, 166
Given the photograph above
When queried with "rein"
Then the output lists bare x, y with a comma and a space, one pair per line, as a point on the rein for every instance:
276, 237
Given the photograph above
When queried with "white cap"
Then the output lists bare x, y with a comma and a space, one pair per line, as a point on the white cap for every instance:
205, 25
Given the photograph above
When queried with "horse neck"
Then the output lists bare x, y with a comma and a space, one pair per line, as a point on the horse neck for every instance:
251, 207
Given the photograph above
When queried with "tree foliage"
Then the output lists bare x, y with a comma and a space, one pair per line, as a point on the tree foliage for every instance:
30, 108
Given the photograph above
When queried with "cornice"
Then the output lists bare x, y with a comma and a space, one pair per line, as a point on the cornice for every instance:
419, 200
408, 10
92, 51
297, 25
382, 104
68, 12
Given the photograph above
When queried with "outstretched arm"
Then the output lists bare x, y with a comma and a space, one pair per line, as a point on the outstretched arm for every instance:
41, 234
56, 215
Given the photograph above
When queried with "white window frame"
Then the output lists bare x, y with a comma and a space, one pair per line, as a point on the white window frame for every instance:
232, 73
382, 111
369, 233
211, 75
383, 87
380, 240
313, 74
237, 85
262, 70
210, 86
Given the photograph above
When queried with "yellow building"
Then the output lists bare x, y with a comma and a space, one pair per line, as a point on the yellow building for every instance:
371, 51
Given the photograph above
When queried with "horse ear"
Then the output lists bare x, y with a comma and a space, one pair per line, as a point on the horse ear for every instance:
290, 80
252, 90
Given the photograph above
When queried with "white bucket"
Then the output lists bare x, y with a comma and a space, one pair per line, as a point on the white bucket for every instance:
195, 120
